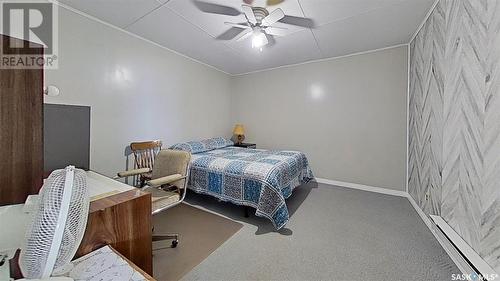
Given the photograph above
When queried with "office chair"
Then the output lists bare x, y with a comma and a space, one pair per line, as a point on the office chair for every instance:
168, 183
144, 158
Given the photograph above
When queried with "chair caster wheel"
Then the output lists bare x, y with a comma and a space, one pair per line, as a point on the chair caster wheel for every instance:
174, 243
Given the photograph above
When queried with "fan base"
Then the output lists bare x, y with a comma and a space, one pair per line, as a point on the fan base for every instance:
260, 13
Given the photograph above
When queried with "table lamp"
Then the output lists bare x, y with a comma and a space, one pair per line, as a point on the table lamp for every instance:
239, 132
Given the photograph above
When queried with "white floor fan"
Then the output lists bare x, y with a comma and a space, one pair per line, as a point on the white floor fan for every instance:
57, 227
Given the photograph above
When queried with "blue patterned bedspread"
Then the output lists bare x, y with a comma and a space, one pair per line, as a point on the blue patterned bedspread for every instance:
262, 179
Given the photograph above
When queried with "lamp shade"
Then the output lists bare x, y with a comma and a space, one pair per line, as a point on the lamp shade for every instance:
239, 129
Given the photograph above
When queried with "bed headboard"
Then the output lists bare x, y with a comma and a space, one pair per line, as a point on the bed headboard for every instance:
66, 135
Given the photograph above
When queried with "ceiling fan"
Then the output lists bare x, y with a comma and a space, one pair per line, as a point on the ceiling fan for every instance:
260, 23
268, 2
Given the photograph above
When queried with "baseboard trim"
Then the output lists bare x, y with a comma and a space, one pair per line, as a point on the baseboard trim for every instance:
459, 244
455, 256
364, 187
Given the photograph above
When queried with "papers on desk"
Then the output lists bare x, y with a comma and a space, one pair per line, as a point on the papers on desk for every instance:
104, 264
13, 222
100, 186
103, 195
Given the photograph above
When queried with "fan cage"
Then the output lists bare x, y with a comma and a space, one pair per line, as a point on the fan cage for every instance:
42, 231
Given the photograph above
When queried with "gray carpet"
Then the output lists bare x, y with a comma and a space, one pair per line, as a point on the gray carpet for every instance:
334, 233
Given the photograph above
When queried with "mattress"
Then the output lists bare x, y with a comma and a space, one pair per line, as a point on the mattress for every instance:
258, 178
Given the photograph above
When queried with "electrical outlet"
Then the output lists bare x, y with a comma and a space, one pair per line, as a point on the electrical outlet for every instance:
427, 196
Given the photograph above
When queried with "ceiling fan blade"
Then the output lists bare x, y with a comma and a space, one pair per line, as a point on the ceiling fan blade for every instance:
239, 25
276, 31
247, 10
230, 34
244, 35
298, 21
270, 39
273, 17
216, 8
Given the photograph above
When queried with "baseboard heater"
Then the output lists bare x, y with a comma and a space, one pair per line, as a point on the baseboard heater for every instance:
468, 261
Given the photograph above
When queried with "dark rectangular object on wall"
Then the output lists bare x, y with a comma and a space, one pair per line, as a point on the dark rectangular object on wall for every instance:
21, 132
66, 136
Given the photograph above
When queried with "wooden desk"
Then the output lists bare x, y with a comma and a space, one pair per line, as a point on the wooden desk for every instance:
123, 221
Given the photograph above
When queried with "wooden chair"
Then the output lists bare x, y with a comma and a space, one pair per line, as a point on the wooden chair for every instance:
144, 158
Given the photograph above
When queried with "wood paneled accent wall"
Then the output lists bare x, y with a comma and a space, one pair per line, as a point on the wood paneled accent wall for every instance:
21, 131
454, 124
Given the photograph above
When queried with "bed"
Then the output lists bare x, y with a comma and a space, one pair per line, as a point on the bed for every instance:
258, 178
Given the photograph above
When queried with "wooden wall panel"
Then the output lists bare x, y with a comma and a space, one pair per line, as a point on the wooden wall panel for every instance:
454, 128
124, 222
21, 132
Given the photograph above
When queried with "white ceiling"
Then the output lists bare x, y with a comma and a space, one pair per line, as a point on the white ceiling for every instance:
341, 27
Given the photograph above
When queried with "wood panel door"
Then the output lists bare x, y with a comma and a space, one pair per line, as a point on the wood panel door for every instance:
21, 130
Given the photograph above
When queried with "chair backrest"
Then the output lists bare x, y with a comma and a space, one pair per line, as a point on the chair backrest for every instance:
145, 153
169, 162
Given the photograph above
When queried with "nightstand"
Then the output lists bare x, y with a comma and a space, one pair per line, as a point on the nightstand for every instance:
246, 145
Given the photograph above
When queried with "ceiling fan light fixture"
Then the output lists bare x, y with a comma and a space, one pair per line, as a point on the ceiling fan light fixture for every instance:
260, 23
258, 39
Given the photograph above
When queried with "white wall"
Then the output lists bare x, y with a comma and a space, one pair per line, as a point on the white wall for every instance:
348, 115
137, 91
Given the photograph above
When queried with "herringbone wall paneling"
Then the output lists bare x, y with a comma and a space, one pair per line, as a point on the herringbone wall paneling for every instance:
454, 125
